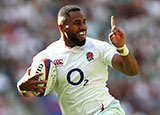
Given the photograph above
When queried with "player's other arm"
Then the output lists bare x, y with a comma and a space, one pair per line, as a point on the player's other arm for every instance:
27, 84
125, 62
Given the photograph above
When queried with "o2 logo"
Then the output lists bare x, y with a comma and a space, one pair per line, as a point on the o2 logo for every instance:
81, 77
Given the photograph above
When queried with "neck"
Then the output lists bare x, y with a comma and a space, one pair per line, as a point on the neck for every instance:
67, 41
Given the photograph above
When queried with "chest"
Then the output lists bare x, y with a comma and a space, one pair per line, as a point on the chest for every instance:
76, 68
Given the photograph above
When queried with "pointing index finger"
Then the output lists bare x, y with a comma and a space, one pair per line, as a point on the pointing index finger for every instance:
112, 22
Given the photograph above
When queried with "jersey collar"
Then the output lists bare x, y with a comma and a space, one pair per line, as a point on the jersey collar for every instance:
75, 49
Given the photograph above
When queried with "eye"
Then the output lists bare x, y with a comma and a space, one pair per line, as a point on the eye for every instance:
77, 23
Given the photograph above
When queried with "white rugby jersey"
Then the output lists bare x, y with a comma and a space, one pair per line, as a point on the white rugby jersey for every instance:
82, 75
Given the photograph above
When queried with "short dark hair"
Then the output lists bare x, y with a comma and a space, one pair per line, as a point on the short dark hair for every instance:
65, 10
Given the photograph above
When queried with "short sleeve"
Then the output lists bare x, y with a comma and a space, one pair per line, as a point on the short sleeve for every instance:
108, 51
38, 58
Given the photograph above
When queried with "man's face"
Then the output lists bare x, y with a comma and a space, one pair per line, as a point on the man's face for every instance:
77, 29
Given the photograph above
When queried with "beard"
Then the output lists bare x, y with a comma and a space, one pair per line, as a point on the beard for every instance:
73, 38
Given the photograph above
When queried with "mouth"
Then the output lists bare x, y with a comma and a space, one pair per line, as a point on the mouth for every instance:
82, 34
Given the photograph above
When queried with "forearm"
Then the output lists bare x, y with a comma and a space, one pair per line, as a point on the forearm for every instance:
129, 65
125, 64
21, 90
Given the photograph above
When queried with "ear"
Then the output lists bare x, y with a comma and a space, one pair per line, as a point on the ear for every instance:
67, 26
60, 26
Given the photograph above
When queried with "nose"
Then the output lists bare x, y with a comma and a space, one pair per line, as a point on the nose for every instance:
83, 27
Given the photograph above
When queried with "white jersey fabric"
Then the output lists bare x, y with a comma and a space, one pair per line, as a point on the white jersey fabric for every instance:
82, 75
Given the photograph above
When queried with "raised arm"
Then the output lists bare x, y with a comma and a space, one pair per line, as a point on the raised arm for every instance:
124, 61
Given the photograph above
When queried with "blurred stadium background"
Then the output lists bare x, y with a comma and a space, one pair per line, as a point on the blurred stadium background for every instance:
28, 26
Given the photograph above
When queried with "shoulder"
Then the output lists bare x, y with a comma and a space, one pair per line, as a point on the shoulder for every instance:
54, 45
98, 43
47, 51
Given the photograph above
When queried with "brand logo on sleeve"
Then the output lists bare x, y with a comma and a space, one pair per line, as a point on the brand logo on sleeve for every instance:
89, 56
58, 62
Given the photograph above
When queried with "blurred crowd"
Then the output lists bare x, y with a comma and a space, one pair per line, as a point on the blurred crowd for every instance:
28, 26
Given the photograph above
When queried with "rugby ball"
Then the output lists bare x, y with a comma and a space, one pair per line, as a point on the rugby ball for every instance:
47, 67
